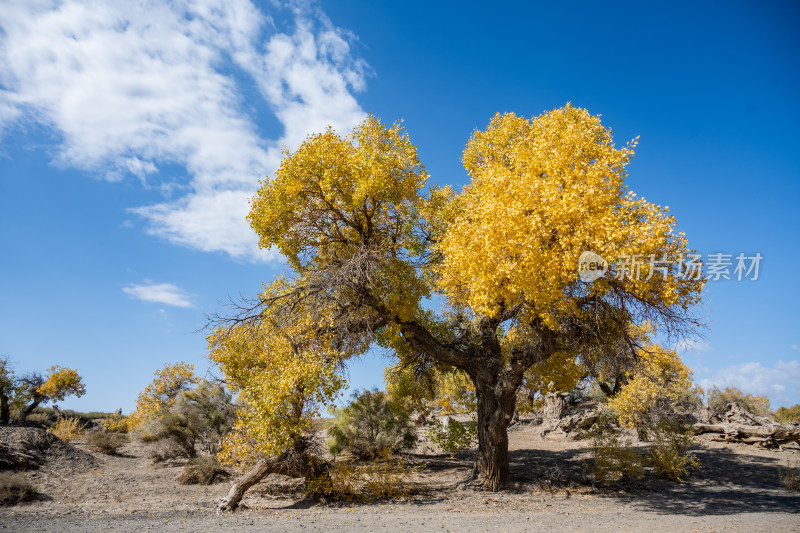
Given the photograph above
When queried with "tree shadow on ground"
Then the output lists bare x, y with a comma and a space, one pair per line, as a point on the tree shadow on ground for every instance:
727, 483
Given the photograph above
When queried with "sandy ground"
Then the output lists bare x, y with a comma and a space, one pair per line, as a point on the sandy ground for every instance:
738, 489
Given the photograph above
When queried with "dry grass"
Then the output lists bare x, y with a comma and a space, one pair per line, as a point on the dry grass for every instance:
790, 477
68, 429
202, 471
14, 489
107, 443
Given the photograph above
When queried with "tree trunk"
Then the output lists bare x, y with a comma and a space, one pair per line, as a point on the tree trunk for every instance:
281, 465
775, 434
491, 467
28, 410
290, 464
4, 413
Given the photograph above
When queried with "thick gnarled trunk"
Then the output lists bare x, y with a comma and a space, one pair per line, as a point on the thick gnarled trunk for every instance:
491, 466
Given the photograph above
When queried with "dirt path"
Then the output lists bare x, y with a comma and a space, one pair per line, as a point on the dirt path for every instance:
737, 490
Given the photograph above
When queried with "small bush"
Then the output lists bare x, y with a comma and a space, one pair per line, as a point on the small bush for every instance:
788, 414
381, 479
386, 478
371, 426
37, 419
107, 443
197, 419
14, 489
67, 429
454, 436
117, 424
669, 452
163, 453
202, 471
613, 459
718, 401
790, 477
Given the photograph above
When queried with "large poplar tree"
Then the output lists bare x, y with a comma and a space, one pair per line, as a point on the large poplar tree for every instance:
369, 243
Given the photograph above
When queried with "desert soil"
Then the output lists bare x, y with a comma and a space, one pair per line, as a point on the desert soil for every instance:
737, 489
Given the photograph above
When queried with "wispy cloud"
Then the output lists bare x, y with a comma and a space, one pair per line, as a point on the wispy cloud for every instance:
163, 293
692, 345
781, 383
130, 87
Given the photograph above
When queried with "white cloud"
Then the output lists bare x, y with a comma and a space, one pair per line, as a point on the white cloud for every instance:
163, 293
132, 86
795, 347
781, 383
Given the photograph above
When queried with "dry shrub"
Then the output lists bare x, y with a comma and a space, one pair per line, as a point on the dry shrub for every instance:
718, 401
202, 471
386, 477
107, 443
164, 452
381, 479
14, 489
67, 429
614, 460
786, 415
39, 419
117, 424
669, 452
790, 477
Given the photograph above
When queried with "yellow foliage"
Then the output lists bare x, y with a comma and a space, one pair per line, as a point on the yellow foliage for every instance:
335, 196
384, 478
660, 376
60, 383
718, 401
284, 370
67, 429
541, 192
117, 424
166, 385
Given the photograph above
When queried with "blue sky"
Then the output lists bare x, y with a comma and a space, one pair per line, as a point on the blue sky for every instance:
133, 134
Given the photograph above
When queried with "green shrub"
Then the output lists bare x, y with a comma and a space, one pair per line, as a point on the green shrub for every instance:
371, 426
196, 420
454, 436
14, 489
614, 460
202, 471
669, 452
106, 442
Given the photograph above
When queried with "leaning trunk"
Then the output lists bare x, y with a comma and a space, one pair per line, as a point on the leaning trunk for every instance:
491, 466
292, 464
28, 410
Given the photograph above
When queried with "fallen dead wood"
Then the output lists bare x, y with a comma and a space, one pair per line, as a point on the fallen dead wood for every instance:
772, 435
